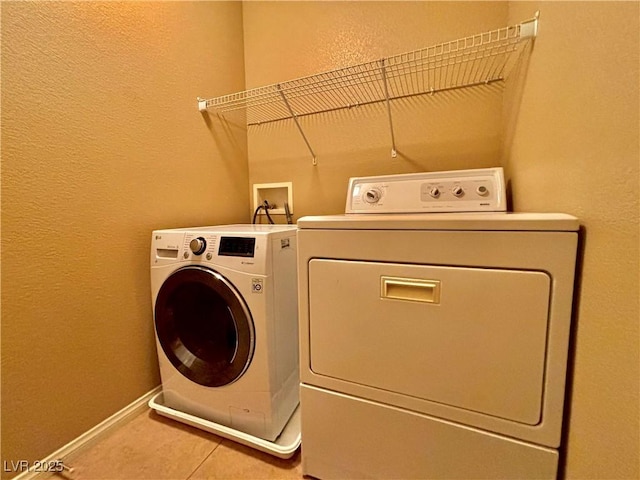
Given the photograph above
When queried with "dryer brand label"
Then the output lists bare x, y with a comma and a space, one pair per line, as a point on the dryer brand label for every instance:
256, 285
285, 243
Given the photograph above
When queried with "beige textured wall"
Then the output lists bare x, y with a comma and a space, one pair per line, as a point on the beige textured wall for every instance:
101, 143
576, 149
99, 127
288, 40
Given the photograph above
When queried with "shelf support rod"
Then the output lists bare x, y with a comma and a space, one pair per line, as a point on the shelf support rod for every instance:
394, 153
295, 119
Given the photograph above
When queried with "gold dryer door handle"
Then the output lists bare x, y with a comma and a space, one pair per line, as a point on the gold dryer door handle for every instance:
410, 289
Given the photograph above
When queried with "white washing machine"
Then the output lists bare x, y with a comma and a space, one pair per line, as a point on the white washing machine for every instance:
433, 345
225, 314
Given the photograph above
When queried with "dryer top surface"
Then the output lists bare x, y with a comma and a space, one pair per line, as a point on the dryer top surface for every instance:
444, 221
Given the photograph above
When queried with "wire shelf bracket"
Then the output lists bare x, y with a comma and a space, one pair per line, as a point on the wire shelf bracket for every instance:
476, 60
295, 119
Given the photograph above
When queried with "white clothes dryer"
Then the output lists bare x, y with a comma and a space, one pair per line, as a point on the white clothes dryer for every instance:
434, 345
225, 315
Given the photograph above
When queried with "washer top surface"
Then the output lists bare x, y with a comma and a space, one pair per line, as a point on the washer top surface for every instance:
444, 221
236, 229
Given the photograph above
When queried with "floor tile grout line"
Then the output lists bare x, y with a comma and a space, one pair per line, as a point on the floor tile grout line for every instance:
204, 459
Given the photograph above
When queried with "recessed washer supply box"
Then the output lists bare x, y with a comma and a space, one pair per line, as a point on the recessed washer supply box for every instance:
477, 190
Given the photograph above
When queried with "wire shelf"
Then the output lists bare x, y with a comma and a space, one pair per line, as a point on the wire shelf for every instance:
475, 60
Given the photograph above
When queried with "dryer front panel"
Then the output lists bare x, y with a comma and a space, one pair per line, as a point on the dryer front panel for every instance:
204, 326
471, 338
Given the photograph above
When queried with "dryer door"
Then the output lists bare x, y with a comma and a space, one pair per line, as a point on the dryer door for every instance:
204, 326
471, 338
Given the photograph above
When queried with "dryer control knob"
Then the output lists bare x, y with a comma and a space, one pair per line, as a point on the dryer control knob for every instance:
198, 245
482, 191
458, 191
372, 195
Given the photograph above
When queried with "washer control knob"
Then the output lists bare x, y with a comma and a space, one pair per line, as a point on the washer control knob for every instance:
372, 195
198, 245
434, 192
457, 191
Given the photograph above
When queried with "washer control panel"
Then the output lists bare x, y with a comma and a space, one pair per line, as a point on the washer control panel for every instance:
478, 190
193, 245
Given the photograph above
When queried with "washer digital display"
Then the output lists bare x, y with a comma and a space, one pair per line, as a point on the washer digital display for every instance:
237, 246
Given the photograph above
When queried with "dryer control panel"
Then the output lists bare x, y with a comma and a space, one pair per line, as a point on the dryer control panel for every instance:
478, 190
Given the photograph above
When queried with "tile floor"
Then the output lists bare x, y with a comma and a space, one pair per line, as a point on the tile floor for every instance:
154, 447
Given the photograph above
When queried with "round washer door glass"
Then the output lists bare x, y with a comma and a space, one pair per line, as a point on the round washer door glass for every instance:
204, 326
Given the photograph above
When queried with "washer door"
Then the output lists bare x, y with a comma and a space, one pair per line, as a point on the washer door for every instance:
204, 326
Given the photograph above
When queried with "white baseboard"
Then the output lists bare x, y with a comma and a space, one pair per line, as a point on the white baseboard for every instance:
93, 435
